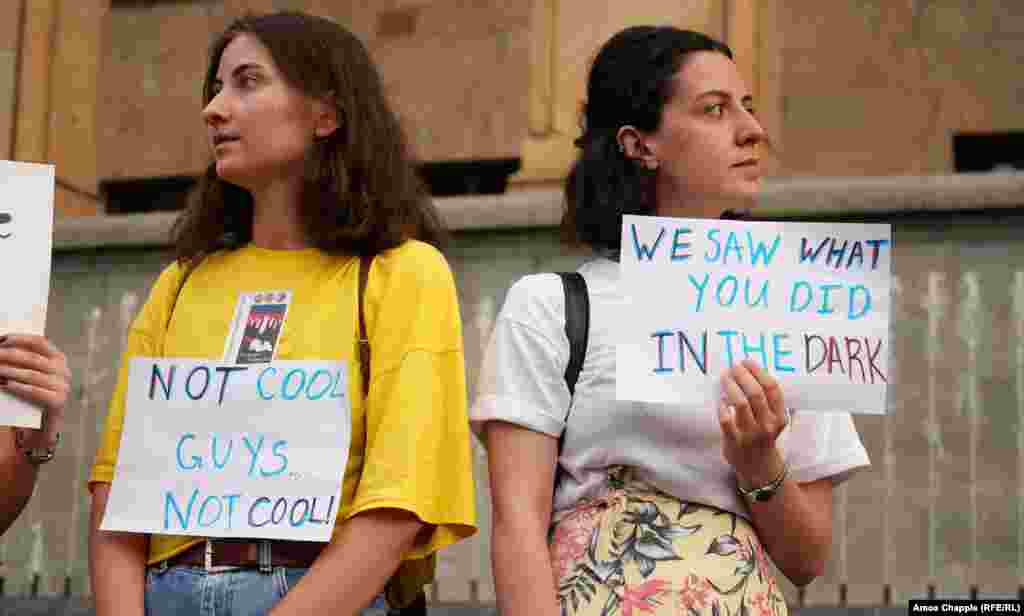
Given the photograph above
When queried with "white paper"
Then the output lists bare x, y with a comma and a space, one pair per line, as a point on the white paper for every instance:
788, 295
282, 434
26, 239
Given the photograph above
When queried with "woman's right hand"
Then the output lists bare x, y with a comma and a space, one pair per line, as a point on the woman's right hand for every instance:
752, 415
34, 370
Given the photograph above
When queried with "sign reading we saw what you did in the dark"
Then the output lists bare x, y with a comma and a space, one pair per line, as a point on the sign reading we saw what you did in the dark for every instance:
216, 449
808, 301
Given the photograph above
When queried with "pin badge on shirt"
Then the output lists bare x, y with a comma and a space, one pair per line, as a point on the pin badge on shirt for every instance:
256, 329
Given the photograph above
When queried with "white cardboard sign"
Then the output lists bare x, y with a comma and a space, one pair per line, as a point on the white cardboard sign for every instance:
26, 239
808, 301
215, 449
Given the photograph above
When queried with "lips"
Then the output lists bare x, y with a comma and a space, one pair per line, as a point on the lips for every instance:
219, 139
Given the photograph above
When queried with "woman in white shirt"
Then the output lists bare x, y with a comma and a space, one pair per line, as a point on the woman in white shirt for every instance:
659, 509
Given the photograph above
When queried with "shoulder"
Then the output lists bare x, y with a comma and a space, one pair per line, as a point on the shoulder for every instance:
156, 311
167, 285
535, 299
412, 263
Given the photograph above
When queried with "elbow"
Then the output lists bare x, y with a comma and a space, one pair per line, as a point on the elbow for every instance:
807, 569
11, 509
406, 527
521, 516
518, 527
805, 576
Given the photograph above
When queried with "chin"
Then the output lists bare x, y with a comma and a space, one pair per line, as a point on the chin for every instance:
233, 175
746, 191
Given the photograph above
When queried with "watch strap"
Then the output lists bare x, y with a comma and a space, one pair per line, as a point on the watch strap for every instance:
37, 455
764, 493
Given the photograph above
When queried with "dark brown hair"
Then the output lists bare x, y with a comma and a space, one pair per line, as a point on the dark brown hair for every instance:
361, 193
630, 82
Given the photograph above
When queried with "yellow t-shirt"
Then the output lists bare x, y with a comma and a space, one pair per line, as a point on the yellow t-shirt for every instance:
410, 444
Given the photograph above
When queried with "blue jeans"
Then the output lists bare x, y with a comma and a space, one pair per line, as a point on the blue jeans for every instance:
181, 590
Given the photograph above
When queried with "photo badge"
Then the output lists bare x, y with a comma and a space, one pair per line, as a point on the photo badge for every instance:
256, 330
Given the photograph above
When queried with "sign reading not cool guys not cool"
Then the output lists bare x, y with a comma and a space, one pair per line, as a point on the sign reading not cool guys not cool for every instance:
222, 450
807, 301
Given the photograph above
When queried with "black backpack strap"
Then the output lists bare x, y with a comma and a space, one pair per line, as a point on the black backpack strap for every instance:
365, 262
577, 324
577, 329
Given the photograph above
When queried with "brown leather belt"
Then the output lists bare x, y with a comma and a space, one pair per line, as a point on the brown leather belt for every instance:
247, 554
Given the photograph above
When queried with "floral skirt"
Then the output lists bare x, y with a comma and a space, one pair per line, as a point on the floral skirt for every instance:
637, 551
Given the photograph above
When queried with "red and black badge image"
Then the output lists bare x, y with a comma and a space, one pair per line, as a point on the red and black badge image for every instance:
261, 333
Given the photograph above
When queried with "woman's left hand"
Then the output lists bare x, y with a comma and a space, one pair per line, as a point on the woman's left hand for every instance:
752, 414
32, 369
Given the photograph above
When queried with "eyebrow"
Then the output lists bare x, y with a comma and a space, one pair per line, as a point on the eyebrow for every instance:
746, 100
241, 68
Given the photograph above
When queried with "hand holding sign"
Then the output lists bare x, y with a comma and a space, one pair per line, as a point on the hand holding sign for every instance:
752, 414
35, 371
807, 301
26, 222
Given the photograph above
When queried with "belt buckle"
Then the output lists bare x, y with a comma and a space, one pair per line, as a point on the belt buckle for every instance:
265, 560
208, 556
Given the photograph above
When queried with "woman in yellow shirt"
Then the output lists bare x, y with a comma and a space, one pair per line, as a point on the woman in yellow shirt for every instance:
310, 172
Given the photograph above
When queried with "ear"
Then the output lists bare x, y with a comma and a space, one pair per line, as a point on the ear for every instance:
325, 117
633, 145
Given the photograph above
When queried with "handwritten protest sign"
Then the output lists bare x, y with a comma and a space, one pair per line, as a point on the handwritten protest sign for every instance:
808, 301
220, 450
26, 236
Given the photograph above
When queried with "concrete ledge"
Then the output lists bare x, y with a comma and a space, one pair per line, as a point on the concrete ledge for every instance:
111, 231
877, 195
542, 207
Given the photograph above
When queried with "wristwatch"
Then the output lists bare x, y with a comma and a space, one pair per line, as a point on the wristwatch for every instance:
766, 492
36, 455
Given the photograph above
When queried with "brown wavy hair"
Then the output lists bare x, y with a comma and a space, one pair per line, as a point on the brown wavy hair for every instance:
361, 193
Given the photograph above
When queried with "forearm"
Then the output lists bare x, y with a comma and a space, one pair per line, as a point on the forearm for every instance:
117, 565
524, 581
796, 530
18, 476
355, 565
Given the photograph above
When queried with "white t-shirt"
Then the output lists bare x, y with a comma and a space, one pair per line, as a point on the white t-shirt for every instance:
676, 448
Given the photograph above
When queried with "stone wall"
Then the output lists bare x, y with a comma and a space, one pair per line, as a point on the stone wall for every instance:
846, 88
943, 503
875, 87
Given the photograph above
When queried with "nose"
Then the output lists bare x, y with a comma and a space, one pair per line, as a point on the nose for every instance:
215, 114
750, 131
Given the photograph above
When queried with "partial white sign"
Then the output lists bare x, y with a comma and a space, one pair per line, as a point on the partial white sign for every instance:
215, 449
808, 301
26, 239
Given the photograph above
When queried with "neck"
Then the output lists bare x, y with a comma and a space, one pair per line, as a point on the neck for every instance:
275, 222
672, 201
